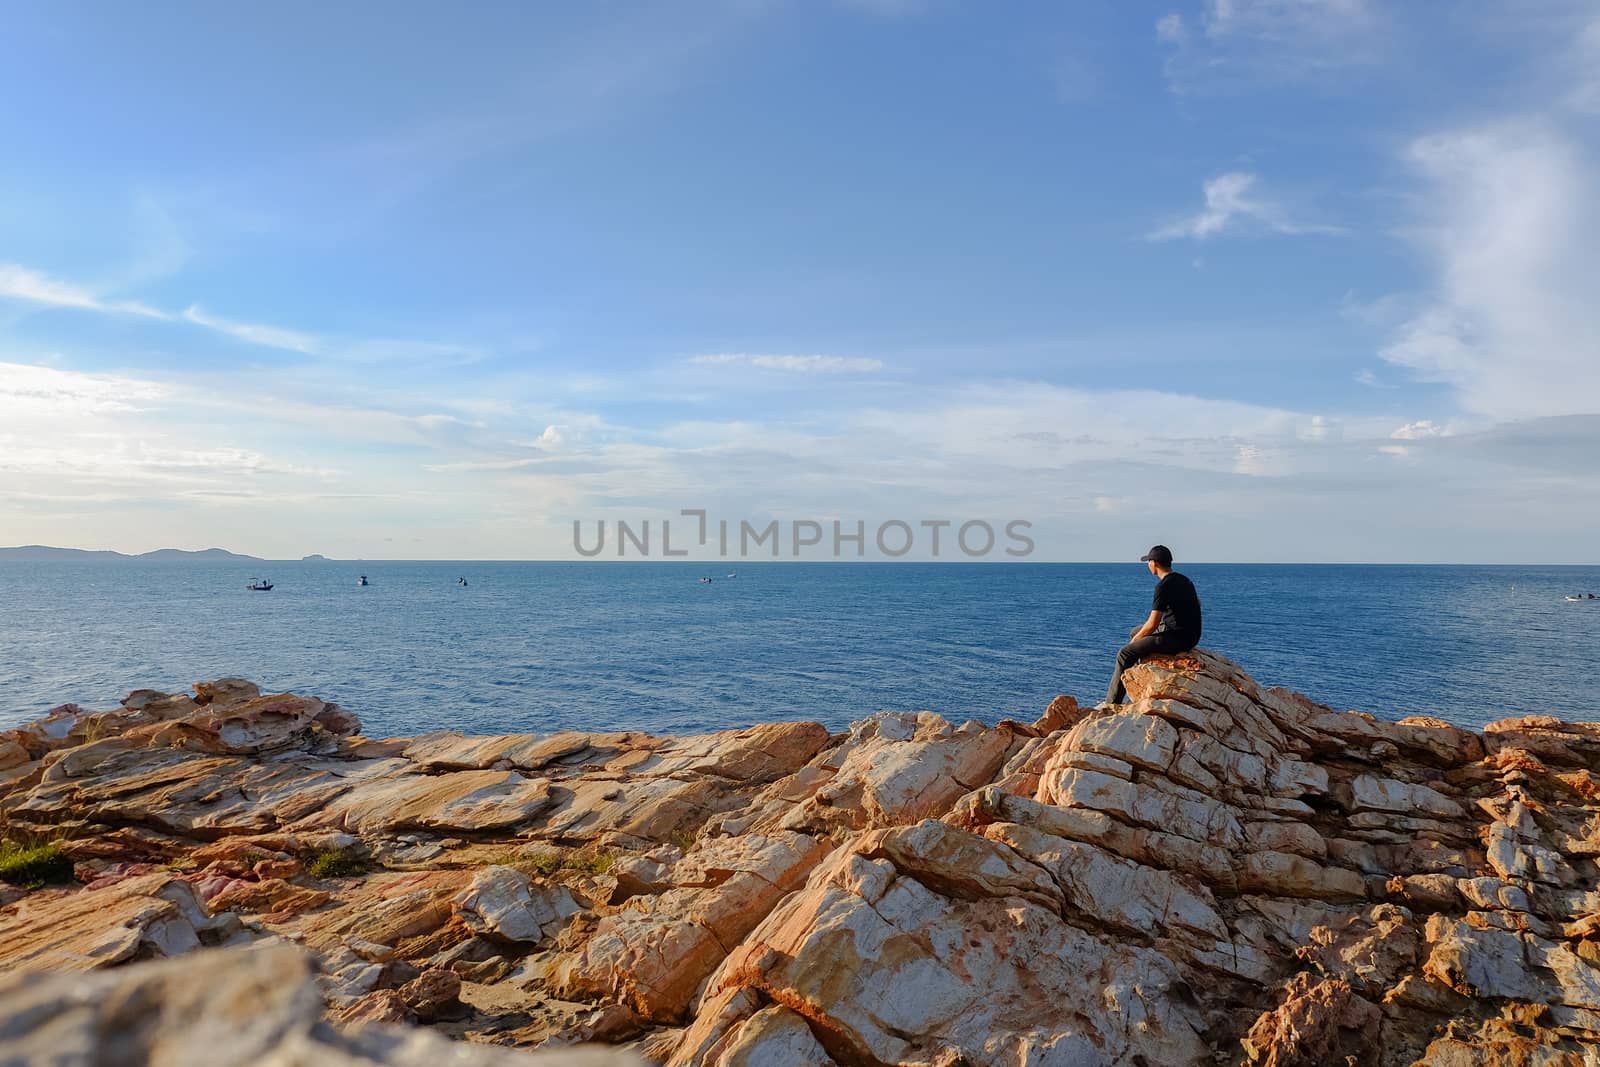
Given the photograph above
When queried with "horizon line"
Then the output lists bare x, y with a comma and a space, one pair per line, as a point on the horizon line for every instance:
748, 561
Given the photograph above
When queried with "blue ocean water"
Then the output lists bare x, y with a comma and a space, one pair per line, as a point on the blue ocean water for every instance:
546, 646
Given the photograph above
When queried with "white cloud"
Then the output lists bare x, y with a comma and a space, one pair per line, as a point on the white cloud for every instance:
372, 424
1017, 425
484, 466
1419, 430
165, 456
1585, 93
1511, 218
255, 333
30, 286
34, 287
799, 364
72, 430
1230, 204
1321, 428
1287, 20
48, 394
1251, 460
1243, 44
437, 421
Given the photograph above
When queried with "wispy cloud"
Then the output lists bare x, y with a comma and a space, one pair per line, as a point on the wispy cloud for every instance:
28, 286
568, 82
1241, 44
1585, 93
46, 393
70, 429
1418, 431
1287, 20
35, 287
172, 453
1509, 223
1231, 204
256, 333
797, 364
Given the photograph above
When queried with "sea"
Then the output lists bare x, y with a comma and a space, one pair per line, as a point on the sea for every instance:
537, 647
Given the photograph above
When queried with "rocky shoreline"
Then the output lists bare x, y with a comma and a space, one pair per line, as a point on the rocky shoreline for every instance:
1216, 873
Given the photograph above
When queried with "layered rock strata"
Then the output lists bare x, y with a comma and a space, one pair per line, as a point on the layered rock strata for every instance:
1214, 873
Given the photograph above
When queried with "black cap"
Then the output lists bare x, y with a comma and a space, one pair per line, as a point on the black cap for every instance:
1160, 554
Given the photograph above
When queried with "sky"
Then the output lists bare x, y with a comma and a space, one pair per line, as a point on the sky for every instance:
1263, 280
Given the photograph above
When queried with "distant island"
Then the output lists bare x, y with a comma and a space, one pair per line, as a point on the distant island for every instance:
47, 554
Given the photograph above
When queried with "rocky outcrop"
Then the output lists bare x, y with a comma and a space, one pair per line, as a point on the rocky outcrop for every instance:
1216, 872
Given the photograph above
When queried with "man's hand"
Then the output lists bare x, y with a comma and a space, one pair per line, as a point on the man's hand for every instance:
1148, 628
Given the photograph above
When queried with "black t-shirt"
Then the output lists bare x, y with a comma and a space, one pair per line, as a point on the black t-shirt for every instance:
1179, 605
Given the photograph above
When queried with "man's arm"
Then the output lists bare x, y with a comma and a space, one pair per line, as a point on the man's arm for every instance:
1148, 628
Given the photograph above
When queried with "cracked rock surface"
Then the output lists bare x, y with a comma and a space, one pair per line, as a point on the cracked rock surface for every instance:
1215, 873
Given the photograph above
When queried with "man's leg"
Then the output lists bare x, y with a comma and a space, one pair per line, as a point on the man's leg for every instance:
1132, 653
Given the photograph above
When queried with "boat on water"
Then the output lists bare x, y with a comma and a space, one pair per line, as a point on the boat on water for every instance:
704, 580
362, 580
733, 574
259, 585
1574, 599
461, 581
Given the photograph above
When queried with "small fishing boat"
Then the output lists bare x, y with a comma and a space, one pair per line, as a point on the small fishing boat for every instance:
362, 580
257, 585
733, 574
704, 580
461, 581
1574, 599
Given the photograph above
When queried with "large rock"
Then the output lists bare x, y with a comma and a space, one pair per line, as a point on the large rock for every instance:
470, 801
892, 769
1215, 872
896, 972
655, 950
68, 930
501, 903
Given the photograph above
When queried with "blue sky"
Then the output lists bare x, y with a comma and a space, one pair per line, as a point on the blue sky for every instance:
1262, 279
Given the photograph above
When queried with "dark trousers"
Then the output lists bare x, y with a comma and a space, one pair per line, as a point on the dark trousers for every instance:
1158, 643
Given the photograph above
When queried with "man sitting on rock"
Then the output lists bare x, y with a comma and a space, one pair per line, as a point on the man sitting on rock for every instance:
1173, 625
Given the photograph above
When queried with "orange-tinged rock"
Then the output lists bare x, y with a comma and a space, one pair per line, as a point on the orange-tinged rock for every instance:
70, 930
12, 754
1062, 713
465, 800
1137, 884
1318, 1023
272, 897
654, 952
